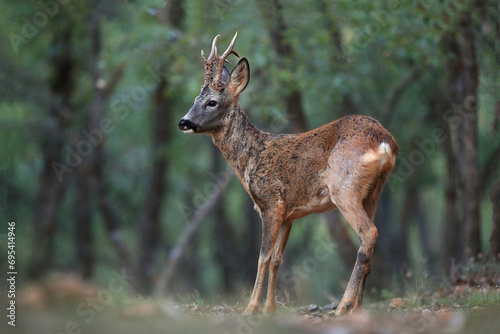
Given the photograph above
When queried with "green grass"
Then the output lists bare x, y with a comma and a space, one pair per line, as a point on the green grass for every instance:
481, 299
193, 298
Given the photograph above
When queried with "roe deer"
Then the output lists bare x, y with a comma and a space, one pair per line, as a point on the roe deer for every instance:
342, 164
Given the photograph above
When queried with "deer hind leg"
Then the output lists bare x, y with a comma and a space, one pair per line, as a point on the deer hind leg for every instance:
370, 206
366, 231
270, 305
271, 225
355, 188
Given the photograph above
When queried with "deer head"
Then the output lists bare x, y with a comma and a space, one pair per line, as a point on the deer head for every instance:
219, 94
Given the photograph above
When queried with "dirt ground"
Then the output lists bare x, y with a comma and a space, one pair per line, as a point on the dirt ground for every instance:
67, 305
148, 317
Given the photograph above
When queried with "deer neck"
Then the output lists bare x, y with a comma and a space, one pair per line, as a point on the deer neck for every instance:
239, 141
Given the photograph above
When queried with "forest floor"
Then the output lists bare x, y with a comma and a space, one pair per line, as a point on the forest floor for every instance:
69, 305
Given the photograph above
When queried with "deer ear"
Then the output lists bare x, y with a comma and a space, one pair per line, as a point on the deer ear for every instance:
225, 76
239, 77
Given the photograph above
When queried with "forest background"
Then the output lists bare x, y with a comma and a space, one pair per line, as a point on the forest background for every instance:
99, 180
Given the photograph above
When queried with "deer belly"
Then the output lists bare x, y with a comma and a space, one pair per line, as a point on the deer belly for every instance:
320, 203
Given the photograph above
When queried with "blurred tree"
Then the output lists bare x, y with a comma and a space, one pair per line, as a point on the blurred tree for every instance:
495, 231
63, 67
150, 220
272, 13
463, 93
225, 251
172, 15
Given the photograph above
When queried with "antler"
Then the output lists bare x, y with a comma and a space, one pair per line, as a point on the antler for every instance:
210, 62
214, 59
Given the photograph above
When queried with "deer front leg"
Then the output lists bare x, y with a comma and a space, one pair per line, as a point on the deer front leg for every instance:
270, 229
270, 305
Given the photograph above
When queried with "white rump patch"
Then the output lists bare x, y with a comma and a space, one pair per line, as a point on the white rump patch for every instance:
383, 154
384, 148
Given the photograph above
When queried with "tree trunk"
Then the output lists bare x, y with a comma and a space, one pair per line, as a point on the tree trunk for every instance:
150, 220
84, 182
399, 246
95, 175
47, 203
271, 11
52, 185
412, 214
495, 231
463, 86
427, 238
225, 253
84, 251
163, 283
111, 221
452, 233
467, 157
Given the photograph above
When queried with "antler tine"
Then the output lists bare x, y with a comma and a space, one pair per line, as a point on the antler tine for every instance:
216, 83
213, 52
230, 49
211, 61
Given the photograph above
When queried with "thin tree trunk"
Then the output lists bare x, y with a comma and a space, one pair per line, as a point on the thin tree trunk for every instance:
491, 165
51, 185
495, 231
495, 198
453, 229
84, 178
224, 251
427, 239
463, 86
46, 207
399, 246
150, 221
272, 13
180, 248
89, 177
171, 15
467, 154
452, 233
84, 251
111, 219
491, 168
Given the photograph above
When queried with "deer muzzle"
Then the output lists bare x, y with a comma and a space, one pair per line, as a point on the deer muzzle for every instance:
187, 126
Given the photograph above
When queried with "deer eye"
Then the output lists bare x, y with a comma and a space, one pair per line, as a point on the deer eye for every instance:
212, 103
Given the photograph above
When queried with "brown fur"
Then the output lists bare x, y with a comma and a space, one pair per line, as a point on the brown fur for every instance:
343, 164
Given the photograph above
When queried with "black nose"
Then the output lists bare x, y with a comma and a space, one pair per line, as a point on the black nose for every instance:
185, 124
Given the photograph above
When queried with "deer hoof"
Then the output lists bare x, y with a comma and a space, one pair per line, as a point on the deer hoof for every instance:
250, 310
344, 308
269, 310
